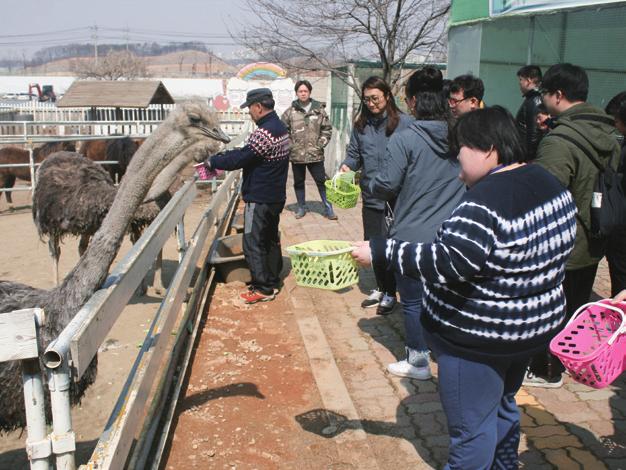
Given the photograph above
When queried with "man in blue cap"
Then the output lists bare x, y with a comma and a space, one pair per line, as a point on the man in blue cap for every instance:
265, 163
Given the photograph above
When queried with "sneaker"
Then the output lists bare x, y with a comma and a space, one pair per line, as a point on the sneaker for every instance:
252, 296
532, 380
300, 212
405, 369
386, 305
373, 299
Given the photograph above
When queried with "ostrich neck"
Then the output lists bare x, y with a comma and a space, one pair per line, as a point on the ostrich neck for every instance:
93, 267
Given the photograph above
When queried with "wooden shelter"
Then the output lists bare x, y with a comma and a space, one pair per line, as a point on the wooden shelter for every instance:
115, 94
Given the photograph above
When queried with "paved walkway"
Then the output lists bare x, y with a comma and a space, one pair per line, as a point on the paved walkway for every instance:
370, 418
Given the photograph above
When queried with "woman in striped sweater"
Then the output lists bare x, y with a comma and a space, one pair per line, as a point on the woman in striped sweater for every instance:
492, 285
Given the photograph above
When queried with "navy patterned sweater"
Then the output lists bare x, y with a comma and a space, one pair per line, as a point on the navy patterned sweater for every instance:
264, 159
492, 278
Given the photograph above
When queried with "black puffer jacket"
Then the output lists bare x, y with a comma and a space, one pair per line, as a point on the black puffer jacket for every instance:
527, 121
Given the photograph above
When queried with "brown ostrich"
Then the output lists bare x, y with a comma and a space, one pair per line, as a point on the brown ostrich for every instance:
15, 155
185, 126
73, 195
119, 151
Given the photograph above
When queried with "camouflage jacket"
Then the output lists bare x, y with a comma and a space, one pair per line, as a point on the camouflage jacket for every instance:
309, 131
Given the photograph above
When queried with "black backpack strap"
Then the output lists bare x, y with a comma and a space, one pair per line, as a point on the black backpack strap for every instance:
581, 147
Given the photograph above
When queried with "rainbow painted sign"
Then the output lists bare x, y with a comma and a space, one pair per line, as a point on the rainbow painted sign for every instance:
261, 71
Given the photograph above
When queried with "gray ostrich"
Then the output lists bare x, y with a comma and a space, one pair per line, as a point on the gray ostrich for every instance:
73, 195
185, 126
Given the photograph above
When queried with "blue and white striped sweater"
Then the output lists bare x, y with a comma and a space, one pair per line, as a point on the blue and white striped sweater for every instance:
492, 278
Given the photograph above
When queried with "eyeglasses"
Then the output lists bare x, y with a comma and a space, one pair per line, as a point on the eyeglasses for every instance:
454, 101
375, 99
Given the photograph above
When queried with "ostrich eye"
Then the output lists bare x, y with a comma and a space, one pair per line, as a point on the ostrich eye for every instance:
195, 120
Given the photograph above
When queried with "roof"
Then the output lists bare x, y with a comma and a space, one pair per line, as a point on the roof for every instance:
116, 94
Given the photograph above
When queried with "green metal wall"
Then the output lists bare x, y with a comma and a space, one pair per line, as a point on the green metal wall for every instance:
467, 10
590, 37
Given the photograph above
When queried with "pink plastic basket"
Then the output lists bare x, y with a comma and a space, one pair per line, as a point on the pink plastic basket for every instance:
592, 346
206, 174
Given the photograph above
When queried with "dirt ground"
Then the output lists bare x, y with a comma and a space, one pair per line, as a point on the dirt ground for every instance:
24, 258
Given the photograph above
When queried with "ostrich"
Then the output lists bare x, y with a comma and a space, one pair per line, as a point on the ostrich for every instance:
185, 126
74, 195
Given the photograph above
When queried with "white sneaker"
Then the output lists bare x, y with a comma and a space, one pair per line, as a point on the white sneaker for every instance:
404, 369
373, 299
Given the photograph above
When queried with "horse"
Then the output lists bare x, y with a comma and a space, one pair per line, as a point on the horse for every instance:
14, 155
119, 151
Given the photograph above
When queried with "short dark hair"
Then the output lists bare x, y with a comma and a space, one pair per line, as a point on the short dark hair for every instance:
425, 85
487, 128
616, 107
267, 103
570, 79
469, 85
306, 83
531, 72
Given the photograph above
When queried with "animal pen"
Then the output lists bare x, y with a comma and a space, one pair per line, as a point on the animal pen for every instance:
146, 404
47, 129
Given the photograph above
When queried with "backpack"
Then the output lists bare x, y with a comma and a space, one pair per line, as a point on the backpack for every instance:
608, 201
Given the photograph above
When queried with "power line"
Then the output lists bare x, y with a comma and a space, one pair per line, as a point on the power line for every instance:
49, 33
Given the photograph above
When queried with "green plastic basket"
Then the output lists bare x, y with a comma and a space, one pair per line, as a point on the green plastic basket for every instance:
341, 190
325, 264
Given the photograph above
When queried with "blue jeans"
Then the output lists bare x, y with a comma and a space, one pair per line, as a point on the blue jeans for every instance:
478, 399
411, 299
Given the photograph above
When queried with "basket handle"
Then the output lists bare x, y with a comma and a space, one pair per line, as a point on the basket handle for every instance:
339, 175
339, 251
604, 304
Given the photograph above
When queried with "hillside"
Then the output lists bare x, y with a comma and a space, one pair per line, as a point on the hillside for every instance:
175, 64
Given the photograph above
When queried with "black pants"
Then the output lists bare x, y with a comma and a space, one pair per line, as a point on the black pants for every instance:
616, 256
261, 244
577, 286
299, 174
374, 225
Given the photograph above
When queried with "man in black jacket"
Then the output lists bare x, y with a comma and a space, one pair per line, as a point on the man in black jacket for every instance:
265, 163
529, 78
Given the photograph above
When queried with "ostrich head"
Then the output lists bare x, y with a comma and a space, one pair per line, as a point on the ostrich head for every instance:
196, 122
197, 152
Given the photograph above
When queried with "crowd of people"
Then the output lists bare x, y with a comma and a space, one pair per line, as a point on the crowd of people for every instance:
479, 220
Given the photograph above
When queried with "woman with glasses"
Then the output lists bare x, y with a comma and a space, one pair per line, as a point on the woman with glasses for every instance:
378, 118
493, 293
422, 176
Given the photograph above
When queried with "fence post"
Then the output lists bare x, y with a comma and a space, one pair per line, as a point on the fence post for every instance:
63, 439
38, 444
31, 163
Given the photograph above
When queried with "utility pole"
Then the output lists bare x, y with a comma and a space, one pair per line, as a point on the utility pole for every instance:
127, 32
94, 36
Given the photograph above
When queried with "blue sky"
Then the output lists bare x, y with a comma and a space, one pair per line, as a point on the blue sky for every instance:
50, 22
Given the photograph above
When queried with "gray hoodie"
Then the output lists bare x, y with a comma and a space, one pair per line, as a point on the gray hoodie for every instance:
366, 152
423, 176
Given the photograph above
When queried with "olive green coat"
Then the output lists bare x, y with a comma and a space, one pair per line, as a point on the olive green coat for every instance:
310, 131
592, 128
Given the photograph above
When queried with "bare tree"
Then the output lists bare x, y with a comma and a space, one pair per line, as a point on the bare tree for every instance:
308, 35
114, 66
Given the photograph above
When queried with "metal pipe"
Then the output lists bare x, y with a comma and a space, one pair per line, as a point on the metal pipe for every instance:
37, 443
63, 440
180, 238
31, 162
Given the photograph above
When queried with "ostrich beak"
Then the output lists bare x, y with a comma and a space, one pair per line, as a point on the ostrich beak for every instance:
216, 133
